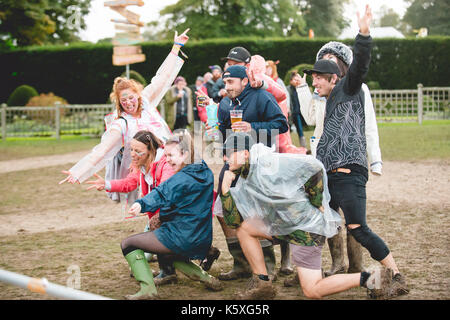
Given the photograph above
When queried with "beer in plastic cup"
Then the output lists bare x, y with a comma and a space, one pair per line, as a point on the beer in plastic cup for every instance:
235, 116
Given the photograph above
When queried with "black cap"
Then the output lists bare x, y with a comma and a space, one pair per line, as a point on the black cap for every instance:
238, 141
239, 54
324, 66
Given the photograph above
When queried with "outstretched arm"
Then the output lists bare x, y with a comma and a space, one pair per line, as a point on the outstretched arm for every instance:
167, 72
361, 56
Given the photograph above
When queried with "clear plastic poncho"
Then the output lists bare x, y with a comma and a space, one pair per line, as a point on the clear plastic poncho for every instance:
273, 197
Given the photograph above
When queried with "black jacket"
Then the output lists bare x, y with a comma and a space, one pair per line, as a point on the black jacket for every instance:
343, 141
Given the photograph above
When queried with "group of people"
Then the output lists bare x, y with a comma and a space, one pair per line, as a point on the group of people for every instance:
269, 191
181, 108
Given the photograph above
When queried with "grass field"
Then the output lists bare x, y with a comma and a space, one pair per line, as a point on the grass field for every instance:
415, 226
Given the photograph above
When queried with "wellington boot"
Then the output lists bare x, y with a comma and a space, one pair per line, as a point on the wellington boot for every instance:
292, 281
355, 255
269, 259
195, 272
336, 245
142, 273
241, 268
286, 267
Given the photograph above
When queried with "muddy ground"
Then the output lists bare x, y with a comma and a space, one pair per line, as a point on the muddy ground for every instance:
46, 230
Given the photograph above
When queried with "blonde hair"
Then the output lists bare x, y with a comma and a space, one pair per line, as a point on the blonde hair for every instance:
184, 141
120, 84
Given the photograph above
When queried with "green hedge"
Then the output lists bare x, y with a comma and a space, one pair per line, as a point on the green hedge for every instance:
84, 73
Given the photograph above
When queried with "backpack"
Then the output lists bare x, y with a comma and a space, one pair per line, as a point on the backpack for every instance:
114, 170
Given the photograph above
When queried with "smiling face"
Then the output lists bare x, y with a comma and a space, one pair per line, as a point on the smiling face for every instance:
175, 157
235, 86
129, 100
139, 153
324, 83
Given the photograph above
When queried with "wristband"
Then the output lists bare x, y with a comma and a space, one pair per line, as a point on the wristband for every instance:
179, 43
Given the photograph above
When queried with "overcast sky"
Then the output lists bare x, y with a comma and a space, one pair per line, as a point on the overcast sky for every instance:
99, 25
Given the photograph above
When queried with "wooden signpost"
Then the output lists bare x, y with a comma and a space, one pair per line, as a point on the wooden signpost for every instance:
124, 53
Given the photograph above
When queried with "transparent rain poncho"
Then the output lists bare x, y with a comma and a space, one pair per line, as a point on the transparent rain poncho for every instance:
119, 133
273, 198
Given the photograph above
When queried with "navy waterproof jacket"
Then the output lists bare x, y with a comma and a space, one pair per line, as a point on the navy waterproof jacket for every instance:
260, 109
185, 201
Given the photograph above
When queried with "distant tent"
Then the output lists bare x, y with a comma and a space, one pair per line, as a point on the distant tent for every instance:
380, 32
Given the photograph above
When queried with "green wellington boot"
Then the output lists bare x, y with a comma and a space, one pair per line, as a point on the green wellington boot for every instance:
142, 273
286, 267
195, 272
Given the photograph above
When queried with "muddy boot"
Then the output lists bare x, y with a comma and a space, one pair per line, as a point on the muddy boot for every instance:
354, 252
336, 245
398, 287
292, 282
194, 272
142, 273
241, 268
213, 255
286, 267
269, 258
378, 282
258, 289
167, 274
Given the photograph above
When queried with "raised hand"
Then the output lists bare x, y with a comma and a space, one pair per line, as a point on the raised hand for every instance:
365, 20
255, 80
99, 184
182, 38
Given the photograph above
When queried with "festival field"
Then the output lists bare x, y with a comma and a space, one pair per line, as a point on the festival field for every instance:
47, 230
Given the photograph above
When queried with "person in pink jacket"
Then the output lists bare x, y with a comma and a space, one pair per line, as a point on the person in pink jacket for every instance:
148, 168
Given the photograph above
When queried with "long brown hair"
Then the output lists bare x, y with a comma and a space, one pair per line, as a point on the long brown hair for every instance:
121, 83
151, 141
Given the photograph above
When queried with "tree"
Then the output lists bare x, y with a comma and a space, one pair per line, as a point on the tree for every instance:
225, 18
387, 18
325, 17
431, 14
68, 16
25, 22
37, 22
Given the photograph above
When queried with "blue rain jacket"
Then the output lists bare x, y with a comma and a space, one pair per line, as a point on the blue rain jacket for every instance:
185, 202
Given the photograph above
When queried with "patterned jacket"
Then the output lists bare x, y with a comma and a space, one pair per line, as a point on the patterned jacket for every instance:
343, 141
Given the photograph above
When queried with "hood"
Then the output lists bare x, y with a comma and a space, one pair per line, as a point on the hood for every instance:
198, 171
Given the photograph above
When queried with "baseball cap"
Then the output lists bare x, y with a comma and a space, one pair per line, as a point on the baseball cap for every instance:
239, 54
238, 141
324, 66
235, 72
215, 67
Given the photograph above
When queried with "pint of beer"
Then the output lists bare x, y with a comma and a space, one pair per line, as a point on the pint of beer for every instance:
235, 116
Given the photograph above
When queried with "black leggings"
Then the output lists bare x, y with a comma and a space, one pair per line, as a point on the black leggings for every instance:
147, 241
348, 192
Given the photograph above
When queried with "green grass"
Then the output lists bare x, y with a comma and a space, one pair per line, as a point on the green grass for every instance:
398, 141
409, 141
19, 148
